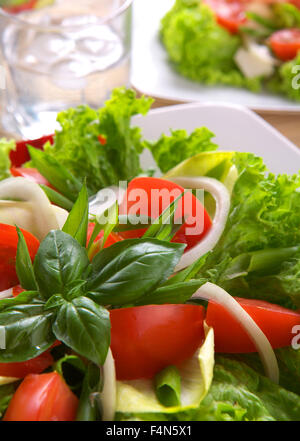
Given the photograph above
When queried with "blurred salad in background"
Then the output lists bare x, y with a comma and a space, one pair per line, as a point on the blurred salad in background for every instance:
250, 44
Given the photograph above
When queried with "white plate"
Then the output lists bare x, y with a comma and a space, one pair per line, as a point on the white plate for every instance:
236, 128
152, 75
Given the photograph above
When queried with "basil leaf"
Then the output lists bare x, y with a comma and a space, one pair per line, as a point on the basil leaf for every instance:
108, 220
177, 293
164, 227
168, 386
84, 326
24, 266
60, 177
59, 262
188, 273
57, 198
28, 332
130, 269
24, 298
77, 222
72, 369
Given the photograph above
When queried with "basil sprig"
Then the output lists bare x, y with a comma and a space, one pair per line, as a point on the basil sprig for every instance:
68, 295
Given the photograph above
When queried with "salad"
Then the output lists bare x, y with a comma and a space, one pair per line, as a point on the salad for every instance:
171, 298
253, 44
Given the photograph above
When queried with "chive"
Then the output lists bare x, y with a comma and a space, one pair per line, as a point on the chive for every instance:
57, 198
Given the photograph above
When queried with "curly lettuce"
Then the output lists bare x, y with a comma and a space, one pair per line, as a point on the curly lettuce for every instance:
258, 255
199, 48
286, 81
78, 149
169, 151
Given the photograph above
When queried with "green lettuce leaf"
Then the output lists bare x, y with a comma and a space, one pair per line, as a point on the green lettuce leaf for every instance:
238, 393
77, 146
170, 151
287, 15
5, 148
199, 48
258, 256
289, 366
286, 80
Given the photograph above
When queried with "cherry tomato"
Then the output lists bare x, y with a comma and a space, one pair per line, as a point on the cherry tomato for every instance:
230, 337
44, 397
285, 43
142, 198
102, 140
295, 3
19, 156
20, 8
8, 251
230, 14
29, 173
146, 339
21, 369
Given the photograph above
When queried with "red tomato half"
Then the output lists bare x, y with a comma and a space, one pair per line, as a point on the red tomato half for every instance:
285, 43
19, 156
230, 337
230, 14
142, 198
44, 397
17, 290
29, 173
34, 366
146, 339
8, 251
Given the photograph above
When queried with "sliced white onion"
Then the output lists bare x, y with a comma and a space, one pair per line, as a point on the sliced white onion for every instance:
222, 198
105, 198
61, 215
109, 391
43, 215
209, 291
8, 293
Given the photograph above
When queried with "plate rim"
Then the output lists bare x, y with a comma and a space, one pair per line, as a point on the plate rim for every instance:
240, 108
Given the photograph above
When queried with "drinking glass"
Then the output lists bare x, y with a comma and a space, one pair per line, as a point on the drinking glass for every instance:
68, 53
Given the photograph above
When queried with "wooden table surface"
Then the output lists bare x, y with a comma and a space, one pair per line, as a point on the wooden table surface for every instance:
286, 123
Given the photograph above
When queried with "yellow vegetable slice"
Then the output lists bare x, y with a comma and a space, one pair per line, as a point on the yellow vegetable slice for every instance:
138, 396
8, 380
